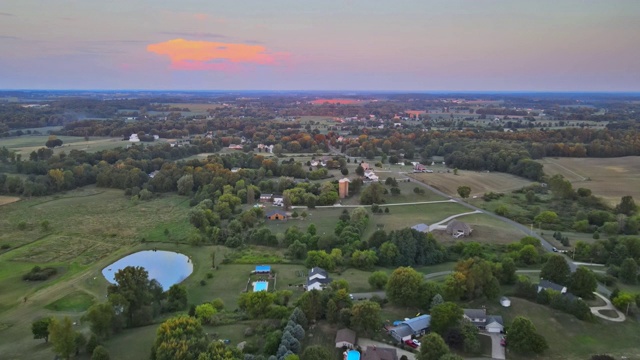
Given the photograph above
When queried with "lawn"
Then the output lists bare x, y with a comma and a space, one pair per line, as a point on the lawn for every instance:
486, 229
568, 337
479, 182
77, 301
610, 178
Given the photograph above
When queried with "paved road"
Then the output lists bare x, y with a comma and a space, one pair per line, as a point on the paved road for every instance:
545, 244
497, 350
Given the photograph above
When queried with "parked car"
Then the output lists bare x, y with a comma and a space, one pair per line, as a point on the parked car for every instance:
503, 340
411, 343
416, 342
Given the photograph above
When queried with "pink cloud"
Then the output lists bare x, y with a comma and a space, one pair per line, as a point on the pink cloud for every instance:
216, 56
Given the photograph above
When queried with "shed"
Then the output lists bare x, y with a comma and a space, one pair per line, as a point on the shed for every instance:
263, 269
345, 338
276, 215
504, 301
458, 228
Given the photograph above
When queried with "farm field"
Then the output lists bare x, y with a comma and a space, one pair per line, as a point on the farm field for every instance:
479, 182
609, 178
568, 337
24, 145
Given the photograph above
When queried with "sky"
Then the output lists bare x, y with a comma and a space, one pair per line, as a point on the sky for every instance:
378, 45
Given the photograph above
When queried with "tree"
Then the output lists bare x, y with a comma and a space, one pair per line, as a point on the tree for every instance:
92, 344
627, 206
100, 353
528, 255
185, 184
583, 283
629, 271
360, 170
179, 338
403, 287
316, 352
256, 303
372, 194
378, 280
133, 284
40, 329
556, 269
546, 217
62, 337
100, 317
365, 316
205, 313
445, 316
623, 300
464, 191
433, 347
436, 300
524, 339
344, 171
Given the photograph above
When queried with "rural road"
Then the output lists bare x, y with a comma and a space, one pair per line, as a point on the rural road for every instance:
545, 244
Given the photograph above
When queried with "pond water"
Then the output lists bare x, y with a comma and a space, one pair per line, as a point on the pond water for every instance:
166, 267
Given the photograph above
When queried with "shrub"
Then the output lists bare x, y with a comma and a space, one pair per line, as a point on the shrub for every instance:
39, 274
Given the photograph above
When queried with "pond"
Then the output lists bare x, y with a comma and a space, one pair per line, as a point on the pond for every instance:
167, 267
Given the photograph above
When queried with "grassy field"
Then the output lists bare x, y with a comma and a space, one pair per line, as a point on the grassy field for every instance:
485, 230
479, 182
568, 337
610, 178
26, 144
77, 301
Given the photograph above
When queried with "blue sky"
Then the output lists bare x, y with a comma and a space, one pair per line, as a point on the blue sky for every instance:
350, 44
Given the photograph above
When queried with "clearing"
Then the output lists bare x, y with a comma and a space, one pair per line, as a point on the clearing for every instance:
479, 182
609, 178
4, 200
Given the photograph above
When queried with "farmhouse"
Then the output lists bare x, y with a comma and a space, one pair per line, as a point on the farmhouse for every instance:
421, 227
479, 318
549, 285
276, 215
416, 326
345, 338
379, 353
458, 229
318, 279
266, 197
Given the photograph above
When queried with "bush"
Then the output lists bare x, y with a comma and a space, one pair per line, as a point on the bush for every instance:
39, 274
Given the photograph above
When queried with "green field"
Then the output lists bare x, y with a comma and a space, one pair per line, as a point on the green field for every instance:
24, 145
486, 229
568, 337
77, 301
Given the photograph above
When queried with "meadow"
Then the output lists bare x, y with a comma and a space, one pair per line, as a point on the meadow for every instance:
479, 182
609, 178
24, 145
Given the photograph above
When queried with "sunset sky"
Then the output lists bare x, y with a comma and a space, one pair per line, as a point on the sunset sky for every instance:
413, 45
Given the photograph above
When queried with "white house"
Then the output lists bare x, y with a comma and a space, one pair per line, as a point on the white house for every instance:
134, 138
479, 318
317, 279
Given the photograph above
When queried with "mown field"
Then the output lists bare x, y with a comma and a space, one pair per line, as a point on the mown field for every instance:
568, 337
479, 182
486, 230
609, 178
4, 200
24, 145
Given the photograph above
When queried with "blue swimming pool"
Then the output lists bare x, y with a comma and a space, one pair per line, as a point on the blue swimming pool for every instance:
260, 286
167, 267
353, 355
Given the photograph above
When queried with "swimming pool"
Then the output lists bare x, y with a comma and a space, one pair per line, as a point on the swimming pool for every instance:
260, 286
353, 355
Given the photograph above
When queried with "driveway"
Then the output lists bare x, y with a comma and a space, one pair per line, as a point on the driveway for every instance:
609, 306
363, 342
497, 350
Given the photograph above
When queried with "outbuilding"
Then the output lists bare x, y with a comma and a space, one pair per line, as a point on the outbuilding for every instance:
504, 301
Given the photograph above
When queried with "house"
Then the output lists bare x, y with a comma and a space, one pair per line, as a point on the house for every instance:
266, 197
365, 166
235, 169
235, 147
458, 228
549, 285
421, 227
278, 200
134, 138
153, 174
276, 215
413, 327
379, 353
262, 269
504, 301
419, 168
345, 338
479, 318
370, 175
317, 279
